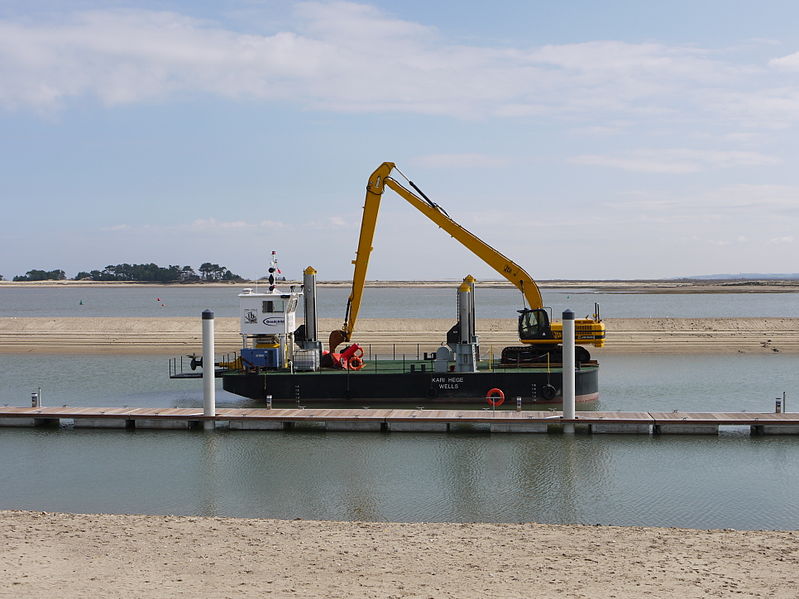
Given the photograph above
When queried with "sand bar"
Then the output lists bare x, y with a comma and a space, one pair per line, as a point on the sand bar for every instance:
174, 336
75, 555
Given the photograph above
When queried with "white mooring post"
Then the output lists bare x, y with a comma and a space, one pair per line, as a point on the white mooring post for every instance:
568, 390
209, 370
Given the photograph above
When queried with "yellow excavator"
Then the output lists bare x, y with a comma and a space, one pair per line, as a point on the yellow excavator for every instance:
541, 338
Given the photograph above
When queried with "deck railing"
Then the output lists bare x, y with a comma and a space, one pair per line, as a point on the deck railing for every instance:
394, 357
180, 367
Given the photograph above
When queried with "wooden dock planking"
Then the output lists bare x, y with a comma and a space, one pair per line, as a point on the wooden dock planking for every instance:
616, 417
410, 419
726, 418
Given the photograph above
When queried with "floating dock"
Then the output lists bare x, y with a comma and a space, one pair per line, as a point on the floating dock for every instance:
388, 420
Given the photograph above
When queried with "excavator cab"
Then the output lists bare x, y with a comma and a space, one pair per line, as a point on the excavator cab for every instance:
534, 325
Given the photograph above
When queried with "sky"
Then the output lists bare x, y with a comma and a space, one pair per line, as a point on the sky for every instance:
584, 140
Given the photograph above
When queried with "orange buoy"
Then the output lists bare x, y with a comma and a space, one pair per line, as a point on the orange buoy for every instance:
495, 397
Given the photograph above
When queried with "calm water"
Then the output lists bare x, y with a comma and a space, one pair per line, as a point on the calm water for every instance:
732, 481
703, 483
387, 303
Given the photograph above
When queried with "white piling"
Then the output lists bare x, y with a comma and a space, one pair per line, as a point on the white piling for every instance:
209, 369
568, 387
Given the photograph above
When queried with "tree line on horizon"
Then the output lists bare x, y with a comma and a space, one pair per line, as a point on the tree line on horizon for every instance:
140, 273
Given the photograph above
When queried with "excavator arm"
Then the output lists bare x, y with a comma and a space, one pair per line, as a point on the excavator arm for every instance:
534, 317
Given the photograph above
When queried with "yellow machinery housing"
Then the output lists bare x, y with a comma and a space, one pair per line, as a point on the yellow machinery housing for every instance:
535, 327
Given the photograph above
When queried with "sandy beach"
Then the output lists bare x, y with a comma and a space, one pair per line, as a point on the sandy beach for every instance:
175, 336
73, 555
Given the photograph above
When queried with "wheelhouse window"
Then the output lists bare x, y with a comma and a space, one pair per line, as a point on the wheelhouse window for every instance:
272, 306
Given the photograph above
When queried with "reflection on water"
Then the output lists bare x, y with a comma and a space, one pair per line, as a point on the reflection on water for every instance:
692, 482
731, 481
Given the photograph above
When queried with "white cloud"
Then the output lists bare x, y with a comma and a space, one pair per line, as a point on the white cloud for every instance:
782, 240
741, 205
337, 221
351, 57
341, 22
205, 225
273, 224
766, 107
677, 160
611, 128
743, 136
474, 160
790, 62
602, 57
200, 225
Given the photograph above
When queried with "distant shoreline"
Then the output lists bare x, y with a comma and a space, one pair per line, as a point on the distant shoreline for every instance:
606, 286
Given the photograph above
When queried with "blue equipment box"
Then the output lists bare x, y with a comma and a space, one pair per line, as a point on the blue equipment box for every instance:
267, 357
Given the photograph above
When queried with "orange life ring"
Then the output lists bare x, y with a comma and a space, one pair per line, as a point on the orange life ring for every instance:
355, 363
495, 397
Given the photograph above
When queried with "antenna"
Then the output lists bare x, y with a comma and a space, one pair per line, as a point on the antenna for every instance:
272, 270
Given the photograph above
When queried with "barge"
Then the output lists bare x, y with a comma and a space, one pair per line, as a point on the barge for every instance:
283, 363
414, 383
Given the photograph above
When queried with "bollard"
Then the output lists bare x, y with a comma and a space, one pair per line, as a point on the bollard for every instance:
209, 369
518, 404
268, 402
568, 386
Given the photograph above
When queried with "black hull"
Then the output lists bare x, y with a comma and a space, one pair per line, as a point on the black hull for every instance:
532, 385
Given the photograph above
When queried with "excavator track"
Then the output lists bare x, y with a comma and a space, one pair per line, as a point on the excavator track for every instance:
527, 354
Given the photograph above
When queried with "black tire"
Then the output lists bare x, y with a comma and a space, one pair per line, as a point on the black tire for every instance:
581, 354
548, 392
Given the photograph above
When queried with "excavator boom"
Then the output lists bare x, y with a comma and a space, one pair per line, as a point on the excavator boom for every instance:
380, 179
